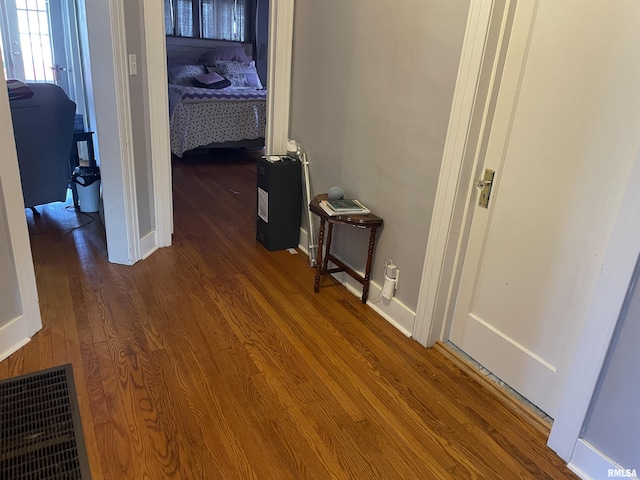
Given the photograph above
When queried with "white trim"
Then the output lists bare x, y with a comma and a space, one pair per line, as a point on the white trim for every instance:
148, 245
279, 76
121, 70
590, 463
20, 244
13, 336
303, 241
600, 322
434, 289
160, 152
393, 311
105, 26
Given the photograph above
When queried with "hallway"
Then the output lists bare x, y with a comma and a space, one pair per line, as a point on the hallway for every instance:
214, 359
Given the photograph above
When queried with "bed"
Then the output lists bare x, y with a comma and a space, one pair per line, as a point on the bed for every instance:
213, 118
216, 98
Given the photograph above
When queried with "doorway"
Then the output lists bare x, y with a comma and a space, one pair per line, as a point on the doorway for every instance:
530, 261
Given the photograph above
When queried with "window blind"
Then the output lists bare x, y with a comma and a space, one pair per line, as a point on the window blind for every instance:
215, 19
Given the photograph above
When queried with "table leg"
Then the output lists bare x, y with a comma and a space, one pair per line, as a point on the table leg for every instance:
367, 272
325, 265
74, 161
92, 154
316, 285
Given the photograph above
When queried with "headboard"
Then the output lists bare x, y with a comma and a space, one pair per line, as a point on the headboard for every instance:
193, 48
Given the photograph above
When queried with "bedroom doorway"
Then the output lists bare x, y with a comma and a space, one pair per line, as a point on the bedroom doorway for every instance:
217, 53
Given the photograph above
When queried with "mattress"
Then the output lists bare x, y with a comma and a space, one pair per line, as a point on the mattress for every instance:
202, 116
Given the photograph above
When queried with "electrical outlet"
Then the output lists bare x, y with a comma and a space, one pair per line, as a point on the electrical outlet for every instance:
391, 275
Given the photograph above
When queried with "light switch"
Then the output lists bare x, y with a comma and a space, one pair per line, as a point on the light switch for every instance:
133, 64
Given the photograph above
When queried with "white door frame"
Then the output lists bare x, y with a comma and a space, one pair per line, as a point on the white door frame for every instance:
160, 150
108, 58
279, 76
601, 320
107, 41
447, 237
18, 331
466, 126
278, 98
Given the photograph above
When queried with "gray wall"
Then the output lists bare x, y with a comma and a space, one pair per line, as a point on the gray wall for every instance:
613, 424
372, 86
134, 26
10, 306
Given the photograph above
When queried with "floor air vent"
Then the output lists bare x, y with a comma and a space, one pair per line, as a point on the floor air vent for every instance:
40, 428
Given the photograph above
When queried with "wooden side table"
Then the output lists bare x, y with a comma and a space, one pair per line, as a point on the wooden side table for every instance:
74, 161
369, 221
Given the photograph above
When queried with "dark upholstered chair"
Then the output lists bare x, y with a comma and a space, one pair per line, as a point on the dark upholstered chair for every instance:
43, 130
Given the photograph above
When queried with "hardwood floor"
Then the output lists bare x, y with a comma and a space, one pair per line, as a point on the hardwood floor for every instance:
214, 359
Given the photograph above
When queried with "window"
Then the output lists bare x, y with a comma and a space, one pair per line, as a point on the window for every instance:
25, 24
216, 19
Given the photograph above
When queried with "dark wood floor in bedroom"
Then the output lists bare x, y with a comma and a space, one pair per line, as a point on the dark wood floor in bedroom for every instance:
214, 359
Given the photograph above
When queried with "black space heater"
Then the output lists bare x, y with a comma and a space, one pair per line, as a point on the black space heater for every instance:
279, 203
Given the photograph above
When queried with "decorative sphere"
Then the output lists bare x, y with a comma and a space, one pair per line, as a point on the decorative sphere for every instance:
335, 193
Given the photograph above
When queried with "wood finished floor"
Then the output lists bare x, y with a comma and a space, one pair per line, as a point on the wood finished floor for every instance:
214, 359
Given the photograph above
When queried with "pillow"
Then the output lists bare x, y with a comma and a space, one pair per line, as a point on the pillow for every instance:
240, 74
184, 74
231, 53
211, 80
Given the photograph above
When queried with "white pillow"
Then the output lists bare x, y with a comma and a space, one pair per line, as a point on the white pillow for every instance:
240, 74
184, 74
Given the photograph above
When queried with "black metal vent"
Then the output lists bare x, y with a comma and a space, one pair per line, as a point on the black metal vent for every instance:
40, 428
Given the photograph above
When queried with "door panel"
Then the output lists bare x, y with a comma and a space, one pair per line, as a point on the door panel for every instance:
60, 66
562, 142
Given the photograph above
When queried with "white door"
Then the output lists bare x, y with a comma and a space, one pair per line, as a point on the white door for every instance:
40, 44
19, 312
563, 139
61, 65
29, 38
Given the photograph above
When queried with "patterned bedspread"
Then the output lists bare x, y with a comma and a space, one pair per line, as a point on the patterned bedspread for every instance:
200, 116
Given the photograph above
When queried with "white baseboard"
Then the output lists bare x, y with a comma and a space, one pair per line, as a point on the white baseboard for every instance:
148, 245
393, 311
589, 463
303, 243
13, 336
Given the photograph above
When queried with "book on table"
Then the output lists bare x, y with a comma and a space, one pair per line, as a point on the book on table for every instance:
344, 207
345, 204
